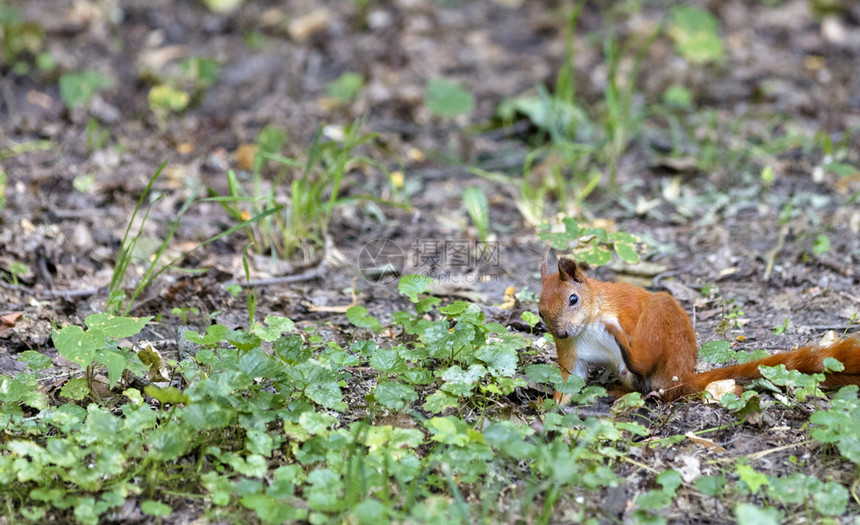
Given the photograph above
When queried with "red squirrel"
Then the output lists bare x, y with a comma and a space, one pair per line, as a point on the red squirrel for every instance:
649, 340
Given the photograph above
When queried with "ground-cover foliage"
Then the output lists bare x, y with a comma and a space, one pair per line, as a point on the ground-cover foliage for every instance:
710, 146
253, 422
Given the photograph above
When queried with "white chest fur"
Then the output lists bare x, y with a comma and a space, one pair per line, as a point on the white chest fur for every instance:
595, 346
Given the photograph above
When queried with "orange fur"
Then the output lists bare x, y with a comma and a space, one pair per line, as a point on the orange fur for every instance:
654, 337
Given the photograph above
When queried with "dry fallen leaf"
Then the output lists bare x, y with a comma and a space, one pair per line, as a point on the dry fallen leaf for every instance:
11, 319
245, 154
185, 148
829, 338
510, 299
8, 321
689, 468
304, 27
707, 443
720, 388
336, 309
157, 367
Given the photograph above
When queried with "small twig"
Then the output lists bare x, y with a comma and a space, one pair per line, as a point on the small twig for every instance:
843, 270
771, 256
656, 282
851, 297
43, 270
82, 292
16, 287
638, 464
854, 490
307, 275
762, 453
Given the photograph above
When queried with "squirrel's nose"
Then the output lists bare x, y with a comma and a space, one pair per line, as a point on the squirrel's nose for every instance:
563, 334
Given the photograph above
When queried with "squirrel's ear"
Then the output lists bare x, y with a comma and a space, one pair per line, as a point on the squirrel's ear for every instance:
568, 271
544, 268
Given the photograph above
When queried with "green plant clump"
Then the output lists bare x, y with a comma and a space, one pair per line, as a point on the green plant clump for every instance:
253, 425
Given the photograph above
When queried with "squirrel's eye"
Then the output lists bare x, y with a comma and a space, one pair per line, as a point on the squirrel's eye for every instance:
573, 299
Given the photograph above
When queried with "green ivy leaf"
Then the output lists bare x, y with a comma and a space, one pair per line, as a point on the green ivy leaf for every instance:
276, 326
627, 252
167, 395
347, 86
781, 376
115, 363
746, 357
252, 466
439, 401
77, 89
530, 318
413, 284
291, 349
448, 430
155, 508
505, 437
747, 404
831, 500
394, 396
456, 308
256, 363
500, 360
78, 346
479, 210
749, 514
543, 373
833, 365
653, 500
370, 512
271, 510
633, 428
597, 255
34, 360
214, 335
164, 98
169, 442
717, 352
116, 327
316, 423
670, 480
628, 402
426, 304
102, 423
711, 485
793, 489
75, 389
243, 340
326, 394
387, 361
460, 382
357, 315
446, 99
696, 34
679, 97
418, 376
35, 399
822, 245
11, 390
753, 480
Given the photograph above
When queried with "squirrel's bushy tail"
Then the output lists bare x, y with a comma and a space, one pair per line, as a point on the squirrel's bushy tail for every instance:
807, 360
